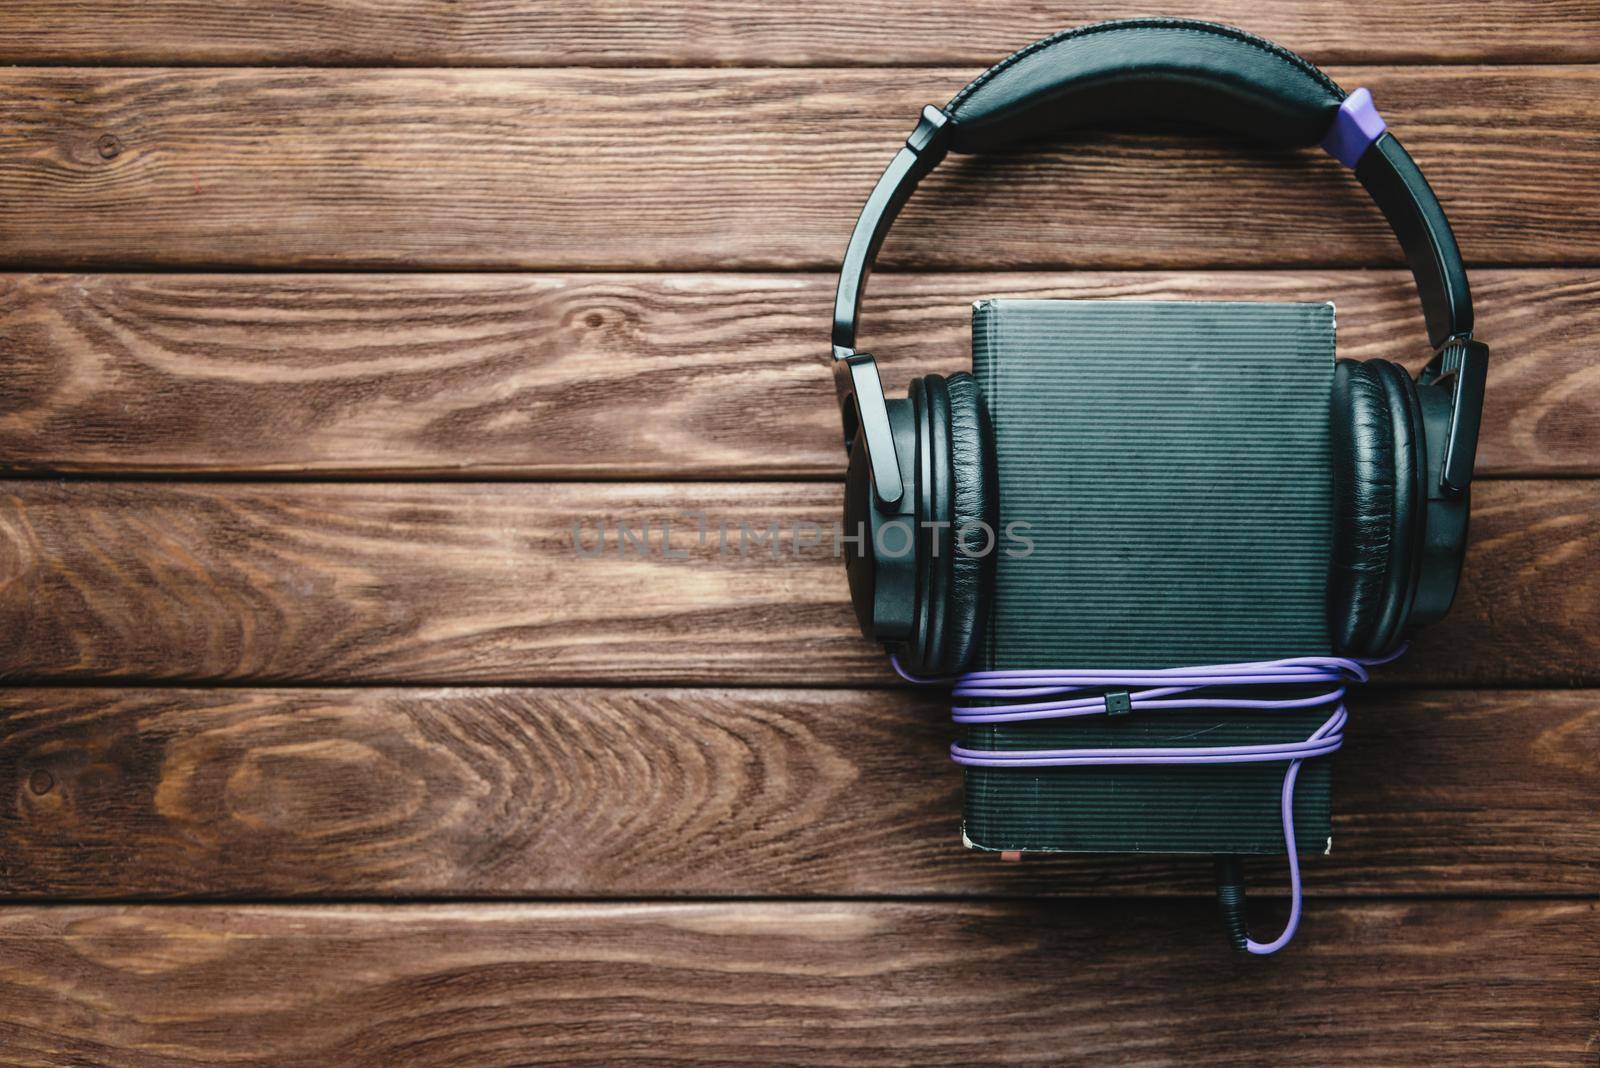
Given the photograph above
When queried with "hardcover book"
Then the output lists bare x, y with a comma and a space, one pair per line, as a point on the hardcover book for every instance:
1169, 464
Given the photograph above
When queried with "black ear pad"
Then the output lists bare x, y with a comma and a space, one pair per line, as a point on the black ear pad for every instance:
934, 495
1375, 485
1361, 437
975, 517
956, 508
1410, 505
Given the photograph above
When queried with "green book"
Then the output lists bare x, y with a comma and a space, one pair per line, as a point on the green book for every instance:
1169, 464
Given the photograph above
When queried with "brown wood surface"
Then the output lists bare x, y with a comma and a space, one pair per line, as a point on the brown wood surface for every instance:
745, 32
733, 168
628, 376
354, 695
483, 583
368, 793
825, 983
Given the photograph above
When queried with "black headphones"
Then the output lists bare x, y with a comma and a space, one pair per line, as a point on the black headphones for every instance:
922, 471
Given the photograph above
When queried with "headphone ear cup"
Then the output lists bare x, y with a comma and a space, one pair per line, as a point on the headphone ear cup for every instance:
975, 521
1361, 438
1376, 471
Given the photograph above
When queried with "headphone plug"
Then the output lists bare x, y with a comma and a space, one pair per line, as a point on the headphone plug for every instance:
1230, 900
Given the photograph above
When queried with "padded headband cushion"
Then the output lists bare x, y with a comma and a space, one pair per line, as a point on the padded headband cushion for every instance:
1180, 69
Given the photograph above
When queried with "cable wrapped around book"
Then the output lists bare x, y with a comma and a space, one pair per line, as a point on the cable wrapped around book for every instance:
1167, 465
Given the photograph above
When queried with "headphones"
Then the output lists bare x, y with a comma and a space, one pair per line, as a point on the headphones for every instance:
921, 476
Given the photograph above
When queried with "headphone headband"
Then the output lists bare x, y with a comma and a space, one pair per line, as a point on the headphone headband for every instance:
1173, 69
1132, 68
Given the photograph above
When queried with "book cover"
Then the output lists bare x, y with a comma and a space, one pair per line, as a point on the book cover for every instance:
1169, 463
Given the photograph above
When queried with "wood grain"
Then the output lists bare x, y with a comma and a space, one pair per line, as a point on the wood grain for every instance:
634, 169
482, 583
614, 793
842, 983
743, 32
627, 376
213, 749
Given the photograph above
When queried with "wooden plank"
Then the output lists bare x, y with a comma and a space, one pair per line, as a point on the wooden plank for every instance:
626, 376
484, 583
743, 32
363, 793
1465, 983
719, 169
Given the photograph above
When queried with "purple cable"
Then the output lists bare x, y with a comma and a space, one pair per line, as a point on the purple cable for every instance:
1089, 693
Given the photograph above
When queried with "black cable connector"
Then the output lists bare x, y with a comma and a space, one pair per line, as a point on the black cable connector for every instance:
1230, 899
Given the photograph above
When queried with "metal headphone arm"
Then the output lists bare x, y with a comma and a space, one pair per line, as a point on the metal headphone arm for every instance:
862, 405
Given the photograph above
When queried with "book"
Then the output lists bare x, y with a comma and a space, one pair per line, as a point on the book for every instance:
1169, 463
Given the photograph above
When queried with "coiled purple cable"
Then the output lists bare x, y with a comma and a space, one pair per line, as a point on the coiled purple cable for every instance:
1069, 694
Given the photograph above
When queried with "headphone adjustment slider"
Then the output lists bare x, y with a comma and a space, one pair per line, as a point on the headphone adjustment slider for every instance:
866, 420
1467, 361
930, 139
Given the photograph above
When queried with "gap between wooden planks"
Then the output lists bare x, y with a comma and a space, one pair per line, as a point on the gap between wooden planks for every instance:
630, 376
719, 169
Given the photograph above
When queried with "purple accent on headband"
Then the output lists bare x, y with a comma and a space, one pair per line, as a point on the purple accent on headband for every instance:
1165, 689
1354, 128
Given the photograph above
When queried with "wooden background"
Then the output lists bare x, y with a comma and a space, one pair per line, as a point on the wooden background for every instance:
322, 322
